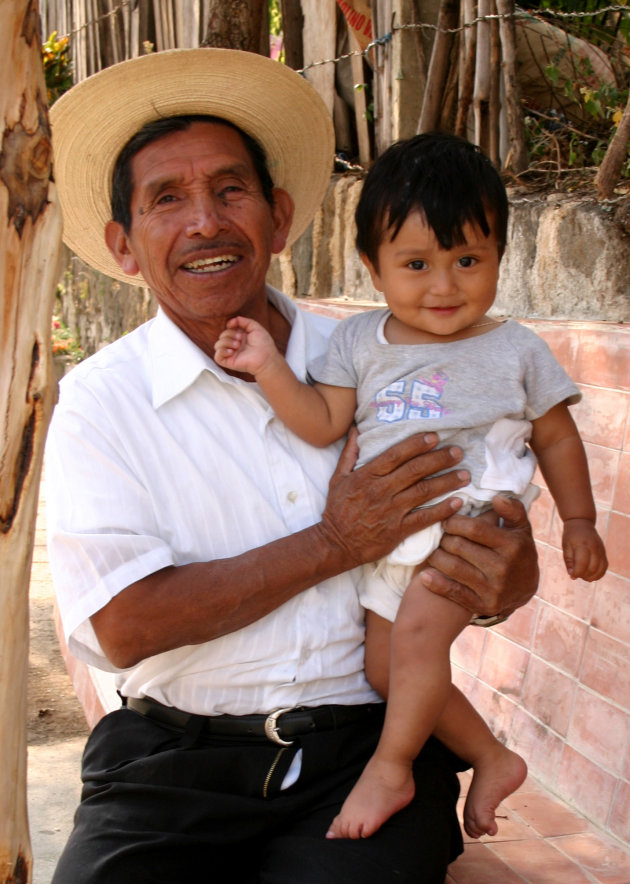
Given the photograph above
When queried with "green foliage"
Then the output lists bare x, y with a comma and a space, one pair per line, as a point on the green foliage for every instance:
64, 343
577, 138
57, 66
275, 18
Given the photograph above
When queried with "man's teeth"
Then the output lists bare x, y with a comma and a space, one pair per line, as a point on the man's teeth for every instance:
211, 264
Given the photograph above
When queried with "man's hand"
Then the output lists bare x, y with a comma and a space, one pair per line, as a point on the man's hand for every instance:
371, 509
486, 567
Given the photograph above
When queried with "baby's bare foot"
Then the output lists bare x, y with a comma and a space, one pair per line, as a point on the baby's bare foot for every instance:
496, 775
382, 790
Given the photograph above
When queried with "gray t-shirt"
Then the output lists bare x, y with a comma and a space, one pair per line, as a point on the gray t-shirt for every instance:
459, 390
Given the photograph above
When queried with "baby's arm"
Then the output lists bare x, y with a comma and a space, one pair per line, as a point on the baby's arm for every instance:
560, 452
320, 414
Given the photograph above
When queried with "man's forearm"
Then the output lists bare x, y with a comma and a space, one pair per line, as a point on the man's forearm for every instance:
194, 603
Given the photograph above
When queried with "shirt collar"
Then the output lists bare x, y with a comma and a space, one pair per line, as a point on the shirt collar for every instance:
176, 362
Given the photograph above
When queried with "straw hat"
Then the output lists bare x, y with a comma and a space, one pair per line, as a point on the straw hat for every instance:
94, 120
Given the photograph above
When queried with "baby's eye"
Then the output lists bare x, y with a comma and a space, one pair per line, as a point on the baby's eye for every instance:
417, 265
467, 261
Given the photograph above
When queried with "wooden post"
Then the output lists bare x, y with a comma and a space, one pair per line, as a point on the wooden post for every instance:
610, 169
517, 158
439, 65
481, 94
30, 232
360, 104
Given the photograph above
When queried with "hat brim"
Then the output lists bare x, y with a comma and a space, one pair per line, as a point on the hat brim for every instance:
94, 120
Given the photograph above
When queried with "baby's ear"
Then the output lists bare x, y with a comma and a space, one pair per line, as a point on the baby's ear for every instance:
376, 280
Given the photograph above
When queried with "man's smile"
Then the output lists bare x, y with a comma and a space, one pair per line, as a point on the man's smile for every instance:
211, 265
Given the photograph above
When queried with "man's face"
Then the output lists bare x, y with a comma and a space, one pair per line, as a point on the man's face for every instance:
202, 233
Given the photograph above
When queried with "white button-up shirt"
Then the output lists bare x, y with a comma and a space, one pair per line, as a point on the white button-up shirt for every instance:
157, 457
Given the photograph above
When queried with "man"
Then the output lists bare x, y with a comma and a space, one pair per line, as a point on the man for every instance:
193, 547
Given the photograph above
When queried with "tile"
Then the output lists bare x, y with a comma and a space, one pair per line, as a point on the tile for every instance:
603, 359
559, 639
611, 608
496, 709
606, 861
619, 821
605, 668
603, 466
504, 665
621, 499
538, 745
541, 513
467, 649
549, 695
601, 415
520, 626
462, 680
599, 730
617, 546
585, 785
546, 815
538, 862
563, 342
575, 597
479, 864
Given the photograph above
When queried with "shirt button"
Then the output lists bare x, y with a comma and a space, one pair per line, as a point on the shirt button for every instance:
292, 496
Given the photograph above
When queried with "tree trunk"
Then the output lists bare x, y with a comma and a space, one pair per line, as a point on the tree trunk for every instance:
494, 150
240, 24
481, 95
610, 169
30, 234
438, 66
468, 62
517, 158
292, 24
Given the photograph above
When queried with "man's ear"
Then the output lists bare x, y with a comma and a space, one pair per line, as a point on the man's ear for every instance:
376, 280
118, 244
282, 214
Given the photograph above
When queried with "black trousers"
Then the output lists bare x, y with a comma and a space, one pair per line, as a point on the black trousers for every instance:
162, 806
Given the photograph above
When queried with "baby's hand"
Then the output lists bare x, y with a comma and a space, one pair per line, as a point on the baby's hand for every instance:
244, 346
583, 549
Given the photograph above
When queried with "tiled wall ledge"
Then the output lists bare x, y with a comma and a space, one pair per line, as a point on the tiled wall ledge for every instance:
554, 680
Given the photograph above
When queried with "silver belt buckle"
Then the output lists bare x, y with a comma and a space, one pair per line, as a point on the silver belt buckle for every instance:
271, 728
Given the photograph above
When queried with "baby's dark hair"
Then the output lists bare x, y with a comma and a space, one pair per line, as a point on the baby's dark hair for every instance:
445, 178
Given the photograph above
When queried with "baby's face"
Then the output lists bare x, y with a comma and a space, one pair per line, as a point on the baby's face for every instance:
440, 293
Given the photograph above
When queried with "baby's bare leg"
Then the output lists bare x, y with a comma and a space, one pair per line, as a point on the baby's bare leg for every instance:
419, 687
497, 771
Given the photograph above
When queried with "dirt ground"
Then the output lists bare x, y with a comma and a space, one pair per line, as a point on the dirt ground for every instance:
54, 712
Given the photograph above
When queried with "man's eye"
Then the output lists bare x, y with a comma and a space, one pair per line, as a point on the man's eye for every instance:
230, 192
165, 198
467, 261
416, 265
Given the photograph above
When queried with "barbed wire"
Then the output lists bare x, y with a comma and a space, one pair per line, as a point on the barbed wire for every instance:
95, 21
415, 26
521, 14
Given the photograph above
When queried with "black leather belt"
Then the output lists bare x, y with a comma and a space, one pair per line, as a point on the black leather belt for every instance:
281, 726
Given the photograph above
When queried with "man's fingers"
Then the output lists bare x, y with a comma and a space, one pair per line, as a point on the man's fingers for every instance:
486, 567
348, 456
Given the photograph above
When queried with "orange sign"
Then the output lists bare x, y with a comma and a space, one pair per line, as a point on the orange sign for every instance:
359, 18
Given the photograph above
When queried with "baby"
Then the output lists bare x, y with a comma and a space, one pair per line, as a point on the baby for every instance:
431, 230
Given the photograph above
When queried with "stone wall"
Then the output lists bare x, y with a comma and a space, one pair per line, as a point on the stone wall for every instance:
568, 257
